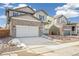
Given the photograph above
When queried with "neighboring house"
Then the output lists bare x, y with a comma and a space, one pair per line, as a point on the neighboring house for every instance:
55, 24
23, 23
60, 20
71, 29
61, 26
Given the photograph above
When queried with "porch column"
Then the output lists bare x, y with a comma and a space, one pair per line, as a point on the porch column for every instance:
61, 31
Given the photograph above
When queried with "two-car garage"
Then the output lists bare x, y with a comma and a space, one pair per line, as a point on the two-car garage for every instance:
25, 26
26, 31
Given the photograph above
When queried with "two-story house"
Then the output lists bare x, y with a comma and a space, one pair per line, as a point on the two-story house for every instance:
23, 23
62, 26
55, 24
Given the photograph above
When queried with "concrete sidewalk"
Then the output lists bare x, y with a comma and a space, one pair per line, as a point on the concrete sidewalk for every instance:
64, 45
68, 51
49, 48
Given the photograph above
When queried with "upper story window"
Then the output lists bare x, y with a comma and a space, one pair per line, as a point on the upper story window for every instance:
41, 17
58, 21
15, 14
61, 21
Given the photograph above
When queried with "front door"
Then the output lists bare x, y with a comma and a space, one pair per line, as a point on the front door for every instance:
73, 30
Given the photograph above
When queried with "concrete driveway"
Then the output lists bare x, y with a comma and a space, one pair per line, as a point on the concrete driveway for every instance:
33, 42
43, 45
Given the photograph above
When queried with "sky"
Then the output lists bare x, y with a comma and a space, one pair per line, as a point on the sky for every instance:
71, 11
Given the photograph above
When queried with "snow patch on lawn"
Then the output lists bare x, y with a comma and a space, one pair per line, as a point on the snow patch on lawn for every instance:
17, 43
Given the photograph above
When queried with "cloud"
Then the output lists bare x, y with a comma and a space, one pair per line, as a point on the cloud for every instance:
20, 5
69, 10
2, 25
23, 5
34, 9
10, 5
6, 5
2, 17
2, 7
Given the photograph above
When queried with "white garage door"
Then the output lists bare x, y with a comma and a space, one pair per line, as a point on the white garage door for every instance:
26, 31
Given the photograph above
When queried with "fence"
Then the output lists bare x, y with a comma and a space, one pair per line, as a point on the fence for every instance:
4, 33
64, 37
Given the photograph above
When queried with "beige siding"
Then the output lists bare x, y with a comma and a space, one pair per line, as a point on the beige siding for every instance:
24, 22
26, 17
67, 27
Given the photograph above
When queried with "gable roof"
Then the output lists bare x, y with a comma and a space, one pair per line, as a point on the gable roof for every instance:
58, 16
17, 9
42, 11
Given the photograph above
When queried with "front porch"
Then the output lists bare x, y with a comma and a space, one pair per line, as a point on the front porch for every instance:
71, 30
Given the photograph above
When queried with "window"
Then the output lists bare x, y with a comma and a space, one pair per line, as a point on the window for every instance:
73, 28
63, 20
58, 21
66, 32
41, 17
15, 13
78, 31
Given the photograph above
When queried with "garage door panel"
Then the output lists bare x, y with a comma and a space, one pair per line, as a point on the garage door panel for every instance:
23, 31
20, 32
